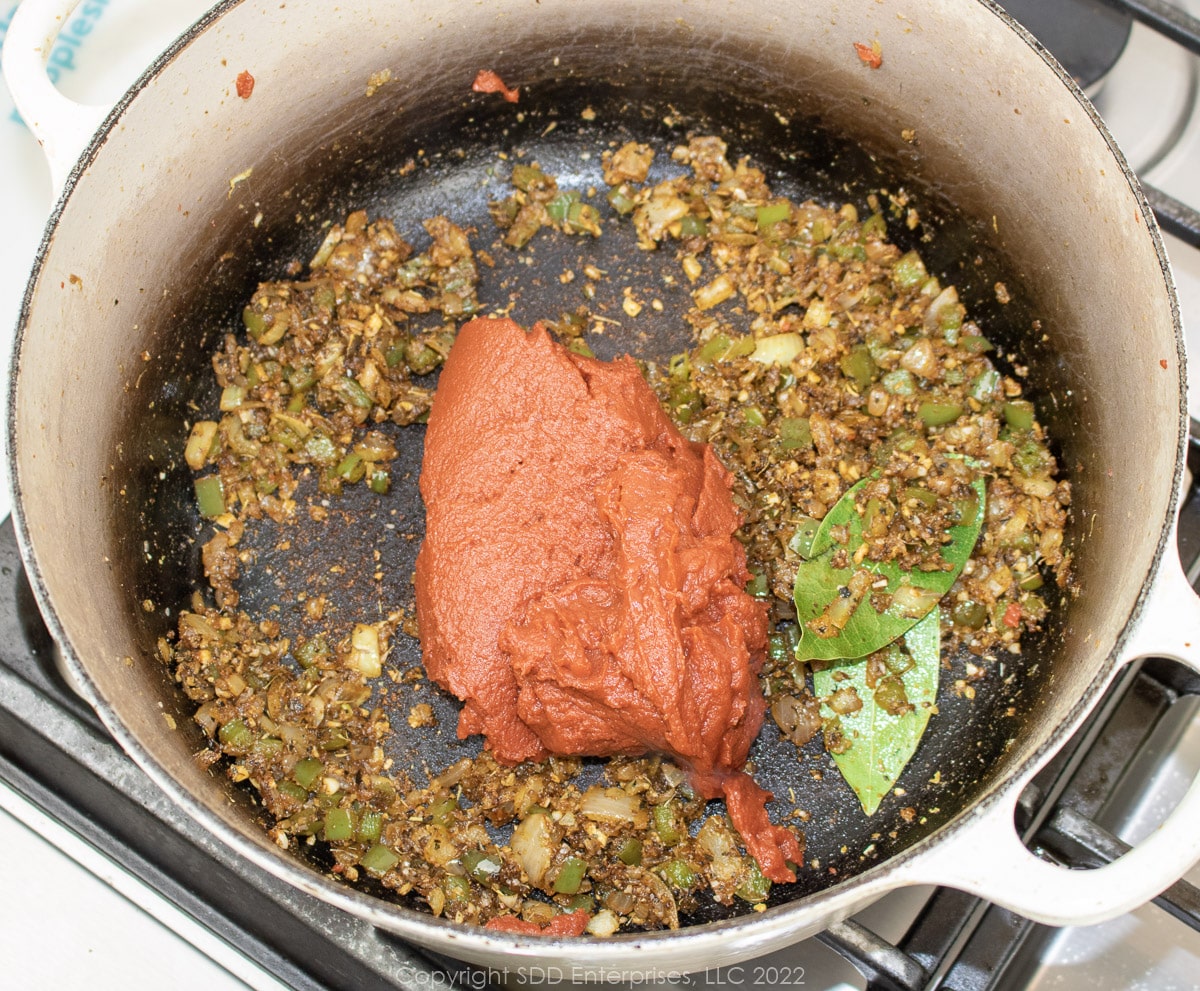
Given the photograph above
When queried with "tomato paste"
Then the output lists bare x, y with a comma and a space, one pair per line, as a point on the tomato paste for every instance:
580, 588
566, 924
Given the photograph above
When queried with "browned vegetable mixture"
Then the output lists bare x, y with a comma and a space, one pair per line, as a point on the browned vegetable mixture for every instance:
824, 356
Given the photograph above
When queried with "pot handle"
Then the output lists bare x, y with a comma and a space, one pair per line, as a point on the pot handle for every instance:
62, 127
987, 858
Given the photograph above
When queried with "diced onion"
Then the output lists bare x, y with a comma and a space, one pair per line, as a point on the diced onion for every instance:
714, 293
206, 717
365, 654
912, 602
778, 349
1039, 486
717, 840
533, 843
921, 359
659, 212
798, 720
200, 444
200, 625
603, 923
845, 701
439, 850
452, 775
944, 311
610, 803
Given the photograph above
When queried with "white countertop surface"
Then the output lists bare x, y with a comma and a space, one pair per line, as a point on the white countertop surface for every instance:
73, 919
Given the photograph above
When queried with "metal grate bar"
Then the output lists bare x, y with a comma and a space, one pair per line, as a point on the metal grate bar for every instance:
1179, 26
881, 963
1076, 838
1174, 216
1165, 18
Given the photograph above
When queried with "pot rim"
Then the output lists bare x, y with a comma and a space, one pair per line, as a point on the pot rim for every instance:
751, 932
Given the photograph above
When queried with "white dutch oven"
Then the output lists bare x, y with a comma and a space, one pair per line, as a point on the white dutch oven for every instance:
151, 206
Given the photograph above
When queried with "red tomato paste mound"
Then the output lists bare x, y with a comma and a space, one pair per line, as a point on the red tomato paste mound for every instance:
579, 588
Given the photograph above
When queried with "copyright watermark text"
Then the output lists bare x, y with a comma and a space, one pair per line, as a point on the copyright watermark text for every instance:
479, 978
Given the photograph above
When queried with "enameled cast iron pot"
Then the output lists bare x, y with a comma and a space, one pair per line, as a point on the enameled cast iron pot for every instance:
174, 204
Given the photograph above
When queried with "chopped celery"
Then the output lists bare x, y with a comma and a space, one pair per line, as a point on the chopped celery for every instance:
754, 887
370, 826
874, 226
210, 496
772, 214
378, 860
938, 414
292, 790
527, 177
307, 771
380, 481
983, 386
969, 614
794, 433
320, 448
781, 645
236, 735
351, 467
335, 739
856, 364
664, 824
570, 876
582, 901
353, 393
1030, 582
630, 852
419, 356
620, 200
339, 825
582, 217
1018, 414
899, 382
232, 396
975, 344
558, 207
255, 322
267, 746
480, 865
679, 874
311, 651
909, 271
442, 814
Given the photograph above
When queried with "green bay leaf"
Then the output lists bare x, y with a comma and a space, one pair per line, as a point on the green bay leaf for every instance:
880, 744
818, 583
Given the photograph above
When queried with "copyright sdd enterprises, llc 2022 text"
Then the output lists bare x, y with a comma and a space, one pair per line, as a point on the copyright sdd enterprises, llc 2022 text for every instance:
533, 976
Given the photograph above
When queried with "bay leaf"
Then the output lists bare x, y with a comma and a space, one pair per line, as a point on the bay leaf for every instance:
818, 583
880, 744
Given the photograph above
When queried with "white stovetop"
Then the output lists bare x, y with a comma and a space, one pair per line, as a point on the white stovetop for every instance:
71, 918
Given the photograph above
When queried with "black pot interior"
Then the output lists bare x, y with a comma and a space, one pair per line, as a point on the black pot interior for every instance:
455, 138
